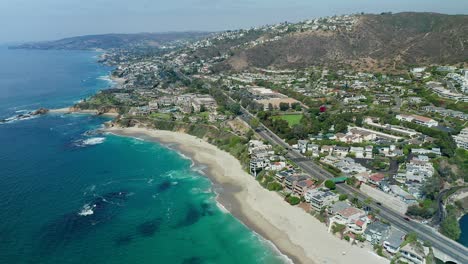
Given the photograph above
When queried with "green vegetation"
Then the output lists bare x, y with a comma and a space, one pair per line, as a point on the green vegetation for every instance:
425, 209
293, 200
164, 116
343, 197
274, 186
338, 228
330, 184
292, 119
379, 250
450, 226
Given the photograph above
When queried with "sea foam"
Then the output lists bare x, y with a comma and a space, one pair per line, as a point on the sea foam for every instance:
94, 141
87, 210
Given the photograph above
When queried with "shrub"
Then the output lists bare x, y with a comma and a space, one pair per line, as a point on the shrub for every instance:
343, 197
274, 186
330, 184
293, 200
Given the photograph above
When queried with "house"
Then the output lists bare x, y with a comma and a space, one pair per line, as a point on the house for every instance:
420, 120
204, 101
258, 163
462, 139
393, 240
368, 152
326, 149
358, 152
277, 165
302, 145
314, 149
355, 219
376, 231
338, 206
319, 198
290, 181
363, 176
280, 176
412, 254
402, 194
340, 151
303, 186
376, 178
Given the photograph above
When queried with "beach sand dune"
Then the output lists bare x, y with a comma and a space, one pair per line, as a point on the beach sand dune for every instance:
296, 233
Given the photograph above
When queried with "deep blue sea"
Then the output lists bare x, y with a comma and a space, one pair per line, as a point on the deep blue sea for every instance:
70, 195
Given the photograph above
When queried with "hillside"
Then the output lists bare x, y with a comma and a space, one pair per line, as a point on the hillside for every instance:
379, 42
108, 41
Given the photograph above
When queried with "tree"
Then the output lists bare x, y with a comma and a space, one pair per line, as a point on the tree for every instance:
330, 184
450, 227
270, 106
293, 200
254, 123
284, 106
338, 228
343, 197
351, 181
296, 106
235, 108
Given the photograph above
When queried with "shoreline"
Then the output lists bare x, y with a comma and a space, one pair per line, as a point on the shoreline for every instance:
70, 110
294, 232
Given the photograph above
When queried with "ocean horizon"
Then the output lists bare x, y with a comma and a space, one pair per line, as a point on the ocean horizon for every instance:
71, 194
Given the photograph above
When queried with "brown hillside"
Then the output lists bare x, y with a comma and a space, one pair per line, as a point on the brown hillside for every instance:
381, 42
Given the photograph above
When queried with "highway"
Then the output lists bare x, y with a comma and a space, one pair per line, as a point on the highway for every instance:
445, 245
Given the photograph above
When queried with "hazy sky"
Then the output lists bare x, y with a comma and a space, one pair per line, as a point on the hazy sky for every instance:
29, 20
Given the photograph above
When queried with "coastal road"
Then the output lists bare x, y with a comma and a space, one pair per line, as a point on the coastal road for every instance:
454, 250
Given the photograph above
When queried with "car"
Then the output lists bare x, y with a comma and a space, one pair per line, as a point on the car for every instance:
379, 203
407, 218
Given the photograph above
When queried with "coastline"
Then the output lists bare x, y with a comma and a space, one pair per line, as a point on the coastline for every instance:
71, 110
294, 232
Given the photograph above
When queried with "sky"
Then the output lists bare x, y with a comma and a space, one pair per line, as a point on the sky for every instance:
35, 20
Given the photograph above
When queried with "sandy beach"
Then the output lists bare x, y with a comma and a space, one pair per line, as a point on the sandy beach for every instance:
69, 110
293, 231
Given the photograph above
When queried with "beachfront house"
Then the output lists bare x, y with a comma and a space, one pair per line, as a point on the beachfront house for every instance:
303, 186
353, 218
290, 181
376, 231
393, 240
320, 198
412, 254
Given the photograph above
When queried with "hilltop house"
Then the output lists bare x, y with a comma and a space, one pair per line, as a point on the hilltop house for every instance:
462, 139
420, 120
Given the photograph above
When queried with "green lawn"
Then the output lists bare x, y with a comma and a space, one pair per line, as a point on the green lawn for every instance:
292, 119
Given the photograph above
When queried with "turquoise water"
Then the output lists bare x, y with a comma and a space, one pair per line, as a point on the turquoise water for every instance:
464, 228
70, 195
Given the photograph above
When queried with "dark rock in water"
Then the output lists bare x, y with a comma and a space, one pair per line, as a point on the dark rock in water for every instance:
40, 111
165, 185
76, 224
116, 196
149, 228
207, 209
193, 260
123, 240
191, 217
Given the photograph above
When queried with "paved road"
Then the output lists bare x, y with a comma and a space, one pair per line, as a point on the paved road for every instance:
447, 246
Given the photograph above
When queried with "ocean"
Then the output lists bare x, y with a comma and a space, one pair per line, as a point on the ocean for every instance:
71, 195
